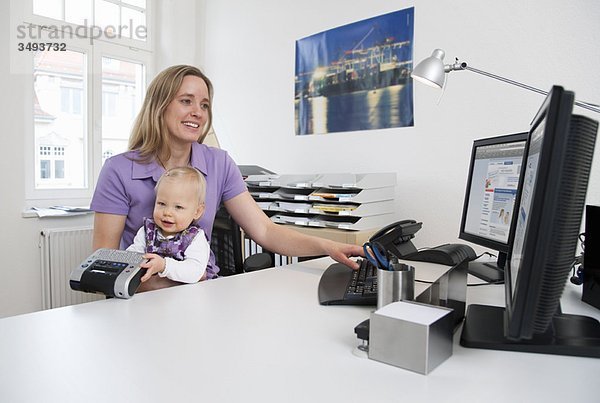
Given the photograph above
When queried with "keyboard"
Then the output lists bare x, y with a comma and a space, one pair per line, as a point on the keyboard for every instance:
340, 285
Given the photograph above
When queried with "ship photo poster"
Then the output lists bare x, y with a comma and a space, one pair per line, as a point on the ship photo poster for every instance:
356, 77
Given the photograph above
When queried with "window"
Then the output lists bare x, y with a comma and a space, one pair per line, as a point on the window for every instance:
70, 100
122, 98
86, 97
113, 19
52, 163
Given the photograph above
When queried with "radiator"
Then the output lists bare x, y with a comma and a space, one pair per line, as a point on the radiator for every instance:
62, 249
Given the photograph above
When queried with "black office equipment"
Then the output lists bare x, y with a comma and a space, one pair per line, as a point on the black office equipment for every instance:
248, 170
591, 257
396, 237
340, 285
449, 254
112, 272
226, 243
488, 207
550, 205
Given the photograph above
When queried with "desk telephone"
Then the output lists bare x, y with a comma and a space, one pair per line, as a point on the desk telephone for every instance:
339, 285
396, 239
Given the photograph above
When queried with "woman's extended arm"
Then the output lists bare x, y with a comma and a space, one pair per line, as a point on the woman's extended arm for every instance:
282, 240
108, 229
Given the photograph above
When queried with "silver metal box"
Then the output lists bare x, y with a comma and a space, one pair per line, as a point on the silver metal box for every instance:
411, 335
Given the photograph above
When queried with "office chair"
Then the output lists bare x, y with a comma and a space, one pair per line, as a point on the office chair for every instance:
226, 243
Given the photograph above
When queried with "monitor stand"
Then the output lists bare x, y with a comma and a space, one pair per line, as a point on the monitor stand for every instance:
572, 335
489, 271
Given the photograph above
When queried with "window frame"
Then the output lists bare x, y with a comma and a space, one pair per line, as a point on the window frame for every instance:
146, 45
94, 50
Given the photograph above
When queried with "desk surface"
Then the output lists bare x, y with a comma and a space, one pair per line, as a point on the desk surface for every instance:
254, 337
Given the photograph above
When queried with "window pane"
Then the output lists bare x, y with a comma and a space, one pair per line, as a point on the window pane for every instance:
107, 14
78, 12
122, 89
44, 169
133, 24
109, 104
59, 169
49, 8
65, 100
76, 100
60, 126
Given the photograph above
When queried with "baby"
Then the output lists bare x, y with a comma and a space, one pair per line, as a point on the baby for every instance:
172, 241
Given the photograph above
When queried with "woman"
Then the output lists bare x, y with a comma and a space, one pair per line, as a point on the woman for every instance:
175, 117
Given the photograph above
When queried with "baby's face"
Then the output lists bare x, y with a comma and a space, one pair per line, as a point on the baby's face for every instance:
176, 205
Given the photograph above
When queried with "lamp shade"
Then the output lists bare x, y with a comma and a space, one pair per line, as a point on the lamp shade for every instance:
431, 70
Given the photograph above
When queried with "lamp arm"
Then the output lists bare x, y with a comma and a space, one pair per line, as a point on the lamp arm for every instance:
464, 66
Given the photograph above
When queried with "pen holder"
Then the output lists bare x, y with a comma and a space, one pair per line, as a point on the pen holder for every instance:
395, 284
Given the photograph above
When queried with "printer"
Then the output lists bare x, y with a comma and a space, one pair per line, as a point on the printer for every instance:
112, 272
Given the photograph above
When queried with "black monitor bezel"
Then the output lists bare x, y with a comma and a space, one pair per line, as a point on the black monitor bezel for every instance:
555, 113
485, 242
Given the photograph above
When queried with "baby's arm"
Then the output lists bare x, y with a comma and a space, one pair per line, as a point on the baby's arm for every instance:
193, 268
139, 242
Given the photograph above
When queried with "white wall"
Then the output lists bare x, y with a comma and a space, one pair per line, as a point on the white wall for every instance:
247, 48
249, 55
20, 278
180, 33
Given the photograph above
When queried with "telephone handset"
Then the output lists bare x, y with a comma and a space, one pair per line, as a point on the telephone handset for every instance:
395, 238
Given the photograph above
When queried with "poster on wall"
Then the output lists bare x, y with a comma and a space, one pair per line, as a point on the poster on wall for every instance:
356, 77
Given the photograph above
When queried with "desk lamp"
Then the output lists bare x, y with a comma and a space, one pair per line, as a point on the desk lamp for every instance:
432, 71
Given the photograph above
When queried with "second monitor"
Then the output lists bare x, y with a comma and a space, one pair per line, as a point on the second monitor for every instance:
488, 208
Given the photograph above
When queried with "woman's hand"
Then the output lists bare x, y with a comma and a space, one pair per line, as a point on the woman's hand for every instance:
342, 252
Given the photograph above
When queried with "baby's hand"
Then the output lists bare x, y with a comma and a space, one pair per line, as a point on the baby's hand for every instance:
154, 264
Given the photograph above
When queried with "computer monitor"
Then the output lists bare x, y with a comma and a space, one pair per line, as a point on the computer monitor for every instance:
490, 198
549, 209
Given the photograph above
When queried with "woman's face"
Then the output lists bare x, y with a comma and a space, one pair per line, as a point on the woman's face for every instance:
187, 113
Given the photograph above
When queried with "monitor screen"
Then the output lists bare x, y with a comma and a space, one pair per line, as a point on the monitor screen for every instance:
543, 245
490, 195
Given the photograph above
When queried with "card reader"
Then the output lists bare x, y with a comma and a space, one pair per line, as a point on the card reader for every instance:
112, 272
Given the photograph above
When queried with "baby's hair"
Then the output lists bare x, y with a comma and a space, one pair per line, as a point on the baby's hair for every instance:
190, 174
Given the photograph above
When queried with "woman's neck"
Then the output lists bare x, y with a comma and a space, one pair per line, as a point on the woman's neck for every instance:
180, 156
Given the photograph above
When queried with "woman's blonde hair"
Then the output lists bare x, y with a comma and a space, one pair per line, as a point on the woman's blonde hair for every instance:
149, 134
189, 174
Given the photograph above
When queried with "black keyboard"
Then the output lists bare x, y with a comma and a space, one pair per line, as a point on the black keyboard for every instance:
340, 285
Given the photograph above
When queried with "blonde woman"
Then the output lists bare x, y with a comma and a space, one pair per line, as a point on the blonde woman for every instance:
175, 117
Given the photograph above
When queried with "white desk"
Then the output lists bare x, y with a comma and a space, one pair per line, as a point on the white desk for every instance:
258, 337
